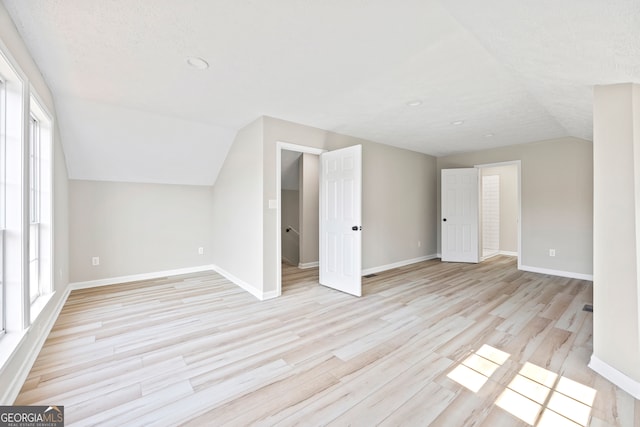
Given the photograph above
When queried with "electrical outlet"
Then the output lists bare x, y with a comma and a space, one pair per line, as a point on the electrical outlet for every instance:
552, 252
200, 251
95, 261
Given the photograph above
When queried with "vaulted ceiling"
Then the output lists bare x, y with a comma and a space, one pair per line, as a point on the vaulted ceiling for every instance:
130, 108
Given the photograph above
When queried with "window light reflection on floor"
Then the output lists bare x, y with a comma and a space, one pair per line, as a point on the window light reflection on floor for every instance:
539, 395
535, 395
475, 370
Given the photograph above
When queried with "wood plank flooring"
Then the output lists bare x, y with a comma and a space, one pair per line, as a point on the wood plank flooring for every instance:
196, 350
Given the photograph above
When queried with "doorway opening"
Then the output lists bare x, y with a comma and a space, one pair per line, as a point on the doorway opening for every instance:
490, 215
339, 198
297, 174
290, 207
500, 209
299, 196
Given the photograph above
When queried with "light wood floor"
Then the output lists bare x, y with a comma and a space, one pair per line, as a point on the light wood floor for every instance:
197, 350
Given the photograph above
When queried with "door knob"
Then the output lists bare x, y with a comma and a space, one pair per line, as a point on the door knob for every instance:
356, 228
444, 219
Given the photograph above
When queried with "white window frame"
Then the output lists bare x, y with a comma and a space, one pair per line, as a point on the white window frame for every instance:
20, 101
35, 170
15, 268
40, 205
3, 107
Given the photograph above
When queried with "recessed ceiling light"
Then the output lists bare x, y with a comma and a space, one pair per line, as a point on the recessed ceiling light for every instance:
197, 62
489, 135
457, 122
414, 103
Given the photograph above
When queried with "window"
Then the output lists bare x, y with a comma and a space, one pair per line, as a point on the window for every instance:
13, 310
26, 181
2, 202
40, 144
34, 209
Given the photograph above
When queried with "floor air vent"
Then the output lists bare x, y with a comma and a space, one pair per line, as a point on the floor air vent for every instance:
588, 307
369, 276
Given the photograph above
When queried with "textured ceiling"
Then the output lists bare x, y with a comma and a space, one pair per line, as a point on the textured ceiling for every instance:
130, 109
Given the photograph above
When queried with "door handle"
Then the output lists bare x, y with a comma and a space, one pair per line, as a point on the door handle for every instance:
444, 219
356, 228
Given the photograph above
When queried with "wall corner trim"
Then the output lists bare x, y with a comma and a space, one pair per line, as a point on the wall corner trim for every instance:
386, 267
241, 283
627, 384
570, 274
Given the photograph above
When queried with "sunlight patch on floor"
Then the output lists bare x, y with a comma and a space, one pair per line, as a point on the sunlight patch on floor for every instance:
475, 370
535, 395
542, 398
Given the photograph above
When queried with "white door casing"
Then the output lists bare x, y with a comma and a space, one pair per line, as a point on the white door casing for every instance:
340, 219
460, 215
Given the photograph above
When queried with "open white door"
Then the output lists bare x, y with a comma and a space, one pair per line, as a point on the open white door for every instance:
340, 219
460, 215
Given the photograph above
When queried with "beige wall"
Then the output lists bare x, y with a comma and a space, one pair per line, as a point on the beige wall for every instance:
237, 209
398, 197
508, 205
556, 200
616, 299
309, 208
137, 228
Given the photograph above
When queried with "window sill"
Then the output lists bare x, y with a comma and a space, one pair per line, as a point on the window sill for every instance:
38, 305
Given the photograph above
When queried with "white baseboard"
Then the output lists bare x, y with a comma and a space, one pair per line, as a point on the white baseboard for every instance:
41, 330
508, 253
159, 274
138, 277
397, 264
236, 281
560, 273
627, 384
304, 265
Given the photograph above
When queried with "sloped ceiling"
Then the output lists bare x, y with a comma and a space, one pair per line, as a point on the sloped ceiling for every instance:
131, 109
290, 169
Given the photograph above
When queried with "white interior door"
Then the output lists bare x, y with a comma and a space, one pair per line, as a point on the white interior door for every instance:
460, 193
340, 219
